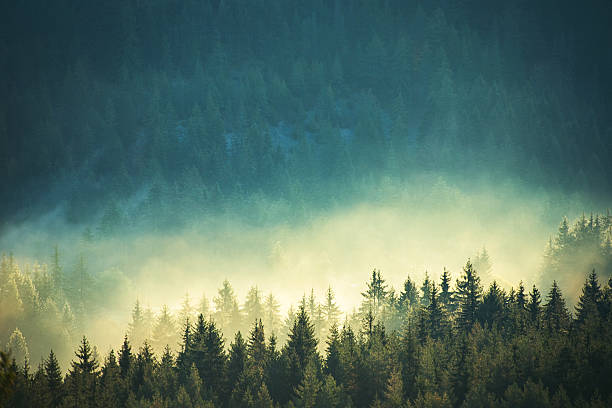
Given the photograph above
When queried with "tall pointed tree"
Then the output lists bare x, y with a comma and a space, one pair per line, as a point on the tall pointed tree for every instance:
468, 295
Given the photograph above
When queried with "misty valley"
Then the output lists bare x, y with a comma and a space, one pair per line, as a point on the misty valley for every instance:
291, 204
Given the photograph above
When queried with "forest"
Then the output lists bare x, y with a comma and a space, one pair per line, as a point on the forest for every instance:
441, 343
144, 115
288, 203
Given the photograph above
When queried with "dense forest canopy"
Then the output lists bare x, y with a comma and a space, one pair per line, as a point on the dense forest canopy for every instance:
192, 194
146, 112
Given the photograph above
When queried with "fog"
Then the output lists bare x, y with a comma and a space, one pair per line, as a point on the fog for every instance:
403, 230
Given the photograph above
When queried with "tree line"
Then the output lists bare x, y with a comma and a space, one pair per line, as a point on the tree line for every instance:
453, 345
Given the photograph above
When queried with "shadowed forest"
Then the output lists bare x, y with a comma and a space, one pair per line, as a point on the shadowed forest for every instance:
344, 203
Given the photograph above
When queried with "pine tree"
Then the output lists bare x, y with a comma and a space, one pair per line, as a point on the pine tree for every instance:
187, 310
394, 395
375, 295
125, 357
253, 308
331, 311
18, 347
590, 300
332, 359
53, 381
308, 389
86, 362
136, 328
446, 295
426, 291
533, 307
435, 315
300, 348
492, 308
556, 315
227, 313
164, 332
237, 360
256, 348
271, 314
468, 296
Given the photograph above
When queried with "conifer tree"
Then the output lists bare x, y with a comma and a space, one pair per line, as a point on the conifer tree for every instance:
237, 360
533, 307
308, 389
375, 295
556, 316
164, 332
332, 359
446, 295
331, 311
426, 290
271, 314
590, 300
125, 357
53, 379
468, 296
300, 348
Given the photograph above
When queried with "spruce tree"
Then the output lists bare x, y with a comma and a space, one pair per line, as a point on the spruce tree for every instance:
300, 348
446, 295
125, 357
556, 316
237, 360
590, 300
468, 295
53, 381
533, 307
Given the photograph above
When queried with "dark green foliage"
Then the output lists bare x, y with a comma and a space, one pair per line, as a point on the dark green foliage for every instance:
556, 316
300, 349
533, 306
589, 304
54, 382
440, 359
468, 295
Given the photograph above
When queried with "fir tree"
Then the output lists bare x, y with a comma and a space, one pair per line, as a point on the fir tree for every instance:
300, 348
590, 300
556, 316
468, 296
533, 306
53, 379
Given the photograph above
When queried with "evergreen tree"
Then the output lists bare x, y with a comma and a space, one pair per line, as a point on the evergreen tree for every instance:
164, 332
237, 360
331, 311
533, 307
125, 358
54, 383
86, 362
590, 300
435, 315
556, 316
136, 328
492, 308
332, 359
271, 314
18, 347
308, 389
446, 295
468, 294
426, 291
375, 295
253, 308
300, 348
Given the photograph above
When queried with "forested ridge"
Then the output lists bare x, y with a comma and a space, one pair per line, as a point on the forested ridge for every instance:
148, 113
460, 340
